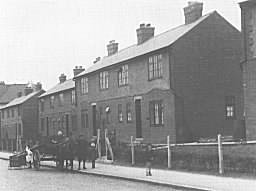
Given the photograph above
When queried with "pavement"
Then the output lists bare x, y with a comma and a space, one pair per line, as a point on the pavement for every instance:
172, 178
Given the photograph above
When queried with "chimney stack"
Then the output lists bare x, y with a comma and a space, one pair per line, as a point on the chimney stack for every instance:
144, 33
77, 70
38, 86
28, 90
112, 47
62, 78
193, 11
19, 94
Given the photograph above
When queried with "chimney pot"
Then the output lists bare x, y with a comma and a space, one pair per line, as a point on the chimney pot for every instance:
142, 25
144, 33
193, 11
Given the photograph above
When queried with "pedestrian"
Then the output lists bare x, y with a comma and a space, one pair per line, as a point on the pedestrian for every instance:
149, 159
82, 151
93, 152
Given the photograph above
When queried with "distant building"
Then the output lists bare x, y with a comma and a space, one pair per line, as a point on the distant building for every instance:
248, 63
19, 119
185, 82
10, 91
57, 108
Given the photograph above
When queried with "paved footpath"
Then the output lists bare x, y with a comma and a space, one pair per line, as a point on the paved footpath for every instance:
176, 179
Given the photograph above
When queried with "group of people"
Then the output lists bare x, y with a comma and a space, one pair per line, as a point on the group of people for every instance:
87, 151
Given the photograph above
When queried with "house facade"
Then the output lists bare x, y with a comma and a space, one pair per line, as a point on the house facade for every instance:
19, 119
248, 61
57, 108
185, 83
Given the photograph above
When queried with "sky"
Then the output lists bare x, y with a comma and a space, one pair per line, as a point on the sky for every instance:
41, 39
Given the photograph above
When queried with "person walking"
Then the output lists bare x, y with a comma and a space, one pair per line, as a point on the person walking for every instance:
149, 160
82, 151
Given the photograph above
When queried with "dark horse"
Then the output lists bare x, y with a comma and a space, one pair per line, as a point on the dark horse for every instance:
66, 152
82, 151
62, 149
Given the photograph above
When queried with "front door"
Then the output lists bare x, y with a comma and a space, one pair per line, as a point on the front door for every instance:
94, 120
138, 118
47, 126
67, 124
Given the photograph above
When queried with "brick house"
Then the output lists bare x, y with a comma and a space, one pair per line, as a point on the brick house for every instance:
19, 119
57, 108
185, 82
248, 61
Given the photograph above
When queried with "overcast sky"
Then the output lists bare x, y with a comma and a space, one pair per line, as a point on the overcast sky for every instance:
40, 39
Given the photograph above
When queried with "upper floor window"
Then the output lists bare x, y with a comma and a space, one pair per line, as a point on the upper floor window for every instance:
12, 112
18, 110
8, 113
230, 107
156, 113
61, 99
42, 105
123, 75
128, 112
73, 97
120, 113
104, 80
52, 102
84, 85
155, 67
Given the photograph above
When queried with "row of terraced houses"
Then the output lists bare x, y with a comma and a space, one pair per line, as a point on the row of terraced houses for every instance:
186, 83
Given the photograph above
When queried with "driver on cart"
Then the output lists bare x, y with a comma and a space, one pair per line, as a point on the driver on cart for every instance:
59, 138
29, 156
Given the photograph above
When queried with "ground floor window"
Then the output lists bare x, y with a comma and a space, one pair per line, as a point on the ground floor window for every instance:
156, 113
120, 113
230, 107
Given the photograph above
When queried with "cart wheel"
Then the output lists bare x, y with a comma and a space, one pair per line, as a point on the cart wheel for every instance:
36, 159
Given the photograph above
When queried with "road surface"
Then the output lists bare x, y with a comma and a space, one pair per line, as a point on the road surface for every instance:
50, 179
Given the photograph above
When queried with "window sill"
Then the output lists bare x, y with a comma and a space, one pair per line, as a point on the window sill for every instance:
157, 78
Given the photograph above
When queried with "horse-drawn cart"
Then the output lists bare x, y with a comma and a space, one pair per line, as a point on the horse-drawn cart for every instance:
18, 160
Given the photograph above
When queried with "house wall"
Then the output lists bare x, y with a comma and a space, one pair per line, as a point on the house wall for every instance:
138, 85
248, 17
205, 69
57, 116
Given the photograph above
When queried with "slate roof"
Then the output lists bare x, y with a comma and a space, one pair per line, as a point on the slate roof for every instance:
248, 2
68, 84
157, 42
9, 91
20, 100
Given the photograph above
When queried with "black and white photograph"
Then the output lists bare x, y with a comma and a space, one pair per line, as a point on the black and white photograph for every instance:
128, 95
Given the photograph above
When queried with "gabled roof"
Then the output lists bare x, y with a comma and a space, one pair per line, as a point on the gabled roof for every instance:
248, 2
157, 42
9, 91
20, 100
68, 84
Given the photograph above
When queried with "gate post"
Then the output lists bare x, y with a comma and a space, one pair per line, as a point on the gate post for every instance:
169, 152
132, 150
98, 142
106, 146
220, 153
